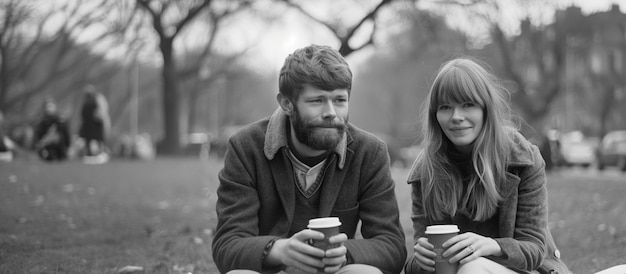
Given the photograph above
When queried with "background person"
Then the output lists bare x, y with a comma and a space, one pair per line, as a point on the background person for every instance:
95, 125
6, 145
303, 162
478, 172
52, 134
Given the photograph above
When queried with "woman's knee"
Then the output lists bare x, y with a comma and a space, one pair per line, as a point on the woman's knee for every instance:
483, 266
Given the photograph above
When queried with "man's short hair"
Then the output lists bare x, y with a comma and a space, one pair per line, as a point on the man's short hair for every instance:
319, 66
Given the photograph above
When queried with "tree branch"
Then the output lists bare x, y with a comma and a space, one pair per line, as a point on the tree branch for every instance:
190, 15
345, 48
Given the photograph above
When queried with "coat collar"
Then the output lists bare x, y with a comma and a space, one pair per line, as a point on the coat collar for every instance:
520, 155
276, 138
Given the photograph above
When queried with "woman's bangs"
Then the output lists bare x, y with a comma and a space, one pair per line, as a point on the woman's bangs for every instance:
456, 88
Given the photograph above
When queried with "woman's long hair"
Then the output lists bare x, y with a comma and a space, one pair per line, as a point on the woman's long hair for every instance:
458, 81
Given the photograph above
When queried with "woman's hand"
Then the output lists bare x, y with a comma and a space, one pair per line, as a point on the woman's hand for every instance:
425, 255
469, 246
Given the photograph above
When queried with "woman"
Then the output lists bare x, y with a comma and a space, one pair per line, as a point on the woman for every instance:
478, 172
95, 125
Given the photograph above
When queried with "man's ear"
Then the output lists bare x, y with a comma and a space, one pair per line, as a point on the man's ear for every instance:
285, 103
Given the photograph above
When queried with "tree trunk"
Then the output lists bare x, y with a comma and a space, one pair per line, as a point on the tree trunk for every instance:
171, 142
192, 99
4, 71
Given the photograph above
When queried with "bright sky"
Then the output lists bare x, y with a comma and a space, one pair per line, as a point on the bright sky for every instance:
270, 43
273, 42
509, 14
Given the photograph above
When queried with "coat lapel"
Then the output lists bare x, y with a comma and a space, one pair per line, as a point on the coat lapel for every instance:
285, 187
508, 206
333, 179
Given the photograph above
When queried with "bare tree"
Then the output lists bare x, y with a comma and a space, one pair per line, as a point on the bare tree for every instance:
344, 32
169, 19
40, 51
605, 58
547, 57
212, 71
535, 60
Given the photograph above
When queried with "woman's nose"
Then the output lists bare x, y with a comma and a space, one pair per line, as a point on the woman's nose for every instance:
457, 115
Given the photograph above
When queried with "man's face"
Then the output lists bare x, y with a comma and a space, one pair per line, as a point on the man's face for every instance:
320, 117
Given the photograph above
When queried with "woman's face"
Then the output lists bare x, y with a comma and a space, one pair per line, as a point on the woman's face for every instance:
461, 123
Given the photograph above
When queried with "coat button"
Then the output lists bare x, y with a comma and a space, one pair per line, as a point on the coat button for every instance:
557, 253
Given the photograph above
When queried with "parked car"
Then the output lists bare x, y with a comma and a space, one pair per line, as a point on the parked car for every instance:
576, 150
612, 150
578, 153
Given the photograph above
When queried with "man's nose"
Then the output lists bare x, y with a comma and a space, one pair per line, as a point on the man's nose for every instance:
329, 110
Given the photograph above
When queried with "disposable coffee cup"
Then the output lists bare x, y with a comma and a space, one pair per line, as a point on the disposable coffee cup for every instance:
437, 235
329, 226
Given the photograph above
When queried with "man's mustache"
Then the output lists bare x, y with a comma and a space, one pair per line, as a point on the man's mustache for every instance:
328, 125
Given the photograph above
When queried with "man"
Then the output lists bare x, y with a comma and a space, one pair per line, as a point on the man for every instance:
303, 162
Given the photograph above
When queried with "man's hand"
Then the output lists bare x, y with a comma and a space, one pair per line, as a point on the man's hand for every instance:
296, 252
423, 251
335, 258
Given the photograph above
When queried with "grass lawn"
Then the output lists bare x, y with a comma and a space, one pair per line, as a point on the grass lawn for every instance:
159, 215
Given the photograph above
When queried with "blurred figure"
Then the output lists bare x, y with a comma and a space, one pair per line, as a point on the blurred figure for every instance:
22, 134
95, 126
6, 145
135, 147
52, 137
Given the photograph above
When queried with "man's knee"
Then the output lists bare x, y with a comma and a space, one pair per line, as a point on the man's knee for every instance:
348, 269
359, 269
242, 271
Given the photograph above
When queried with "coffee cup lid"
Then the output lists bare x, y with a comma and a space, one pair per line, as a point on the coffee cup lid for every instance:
324, 222
442, 229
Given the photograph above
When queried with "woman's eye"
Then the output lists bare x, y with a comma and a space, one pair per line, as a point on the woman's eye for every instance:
444, 107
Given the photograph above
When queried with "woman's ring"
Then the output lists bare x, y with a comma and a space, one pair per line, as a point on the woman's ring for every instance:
471, 249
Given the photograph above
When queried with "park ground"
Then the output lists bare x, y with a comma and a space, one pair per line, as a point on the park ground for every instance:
160, 216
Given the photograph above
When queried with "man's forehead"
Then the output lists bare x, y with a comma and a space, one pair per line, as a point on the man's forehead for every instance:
309, 91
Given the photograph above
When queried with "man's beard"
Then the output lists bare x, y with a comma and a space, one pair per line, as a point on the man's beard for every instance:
316, 135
